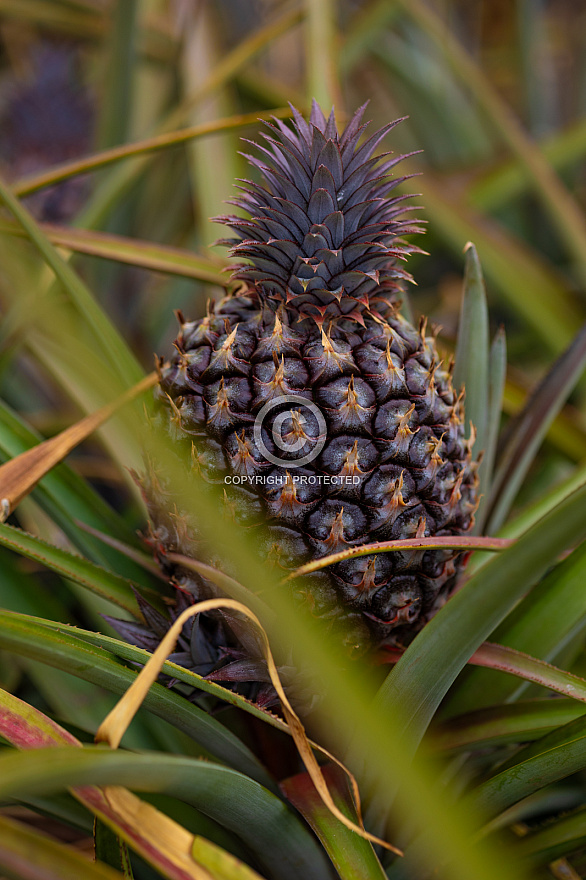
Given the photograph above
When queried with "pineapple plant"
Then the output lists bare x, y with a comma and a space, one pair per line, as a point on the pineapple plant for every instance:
327, 417
289, 377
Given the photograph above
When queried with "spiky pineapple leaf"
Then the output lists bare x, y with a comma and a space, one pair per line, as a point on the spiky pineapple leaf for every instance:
118, 353
530, 427
471, 370
555, 839
269, 828
500, 725
353, 858
132, 251
28, 853
20, 635
541, 625
497, 370
98, 580
552, 757
423, 675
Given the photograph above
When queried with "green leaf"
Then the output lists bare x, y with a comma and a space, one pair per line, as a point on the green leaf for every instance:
25, 853
270, 829
508, 264
522, 665
541, 625
415, 687
353, 857
138, 150
320, 47
120, 356
21, 636
111, 850
146, 254
471, 368
496, 387
530, 427
119, 66
67, 498
499, 725
223, 865
549, 759
91, 576
138, 655
555, 839
27, 728
564, 211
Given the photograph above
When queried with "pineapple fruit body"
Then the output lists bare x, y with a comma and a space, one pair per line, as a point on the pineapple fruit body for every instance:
326, 416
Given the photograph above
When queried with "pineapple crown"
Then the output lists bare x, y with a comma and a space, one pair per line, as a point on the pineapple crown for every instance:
323, 237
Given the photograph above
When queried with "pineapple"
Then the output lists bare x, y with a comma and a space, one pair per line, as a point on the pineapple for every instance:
328, 418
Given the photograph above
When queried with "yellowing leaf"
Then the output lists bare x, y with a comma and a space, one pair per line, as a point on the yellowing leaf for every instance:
224, 865
117, 721
20, 475
162, 842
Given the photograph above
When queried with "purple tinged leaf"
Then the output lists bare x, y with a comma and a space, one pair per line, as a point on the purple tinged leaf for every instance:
322, 179
241, 670
277, 253
276, 229
352, 131
330, 157
331, 130
301, 124
316, 116
133, 633
335, 223
284, 188
318, 142
353, 217
367, 149
292, 155
287, 220
333, 260
299, 217
155, 621
320, 205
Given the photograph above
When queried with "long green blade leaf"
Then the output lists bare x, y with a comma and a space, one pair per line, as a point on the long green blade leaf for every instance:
19, 635
471, 369
498, 725
531, 427
556, 839
421, 678
551, 758
353, 857
541, 625
98, 580
121, 358
146, 254
25, 853
269, 828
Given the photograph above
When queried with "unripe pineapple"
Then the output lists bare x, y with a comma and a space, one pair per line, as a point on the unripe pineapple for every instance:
327, 416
